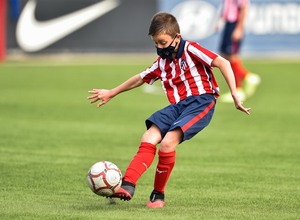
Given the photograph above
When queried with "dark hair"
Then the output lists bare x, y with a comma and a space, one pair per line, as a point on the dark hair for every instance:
163, 22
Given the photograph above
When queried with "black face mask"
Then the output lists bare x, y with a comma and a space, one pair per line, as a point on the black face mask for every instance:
166, 52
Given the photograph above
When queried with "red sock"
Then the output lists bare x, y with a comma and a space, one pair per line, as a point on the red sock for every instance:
140, 162
164, 168
239, 71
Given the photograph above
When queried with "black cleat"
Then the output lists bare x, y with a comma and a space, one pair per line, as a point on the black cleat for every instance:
125, 192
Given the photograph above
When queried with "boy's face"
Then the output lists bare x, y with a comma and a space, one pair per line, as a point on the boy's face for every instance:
165, 40
166, 45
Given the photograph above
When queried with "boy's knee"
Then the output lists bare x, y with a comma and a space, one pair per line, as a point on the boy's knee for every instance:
171, 140
151, 137
167, 145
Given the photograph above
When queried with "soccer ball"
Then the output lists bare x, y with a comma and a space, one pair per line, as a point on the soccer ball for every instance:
104, 178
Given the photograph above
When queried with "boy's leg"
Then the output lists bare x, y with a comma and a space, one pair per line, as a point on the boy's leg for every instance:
140, 163
192, 120
166, 162
163, 171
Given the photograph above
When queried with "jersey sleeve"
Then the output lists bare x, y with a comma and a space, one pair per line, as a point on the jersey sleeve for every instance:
202, 54
151, 74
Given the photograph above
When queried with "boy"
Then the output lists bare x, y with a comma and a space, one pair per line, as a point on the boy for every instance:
185, 71
234, 14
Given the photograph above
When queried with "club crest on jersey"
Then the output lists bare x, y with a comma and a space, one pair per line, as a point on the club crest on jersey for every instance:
183, 65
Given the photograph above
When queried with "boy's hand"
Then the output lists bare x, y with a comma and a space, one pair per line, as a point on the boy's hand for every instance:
100, 94
239, 105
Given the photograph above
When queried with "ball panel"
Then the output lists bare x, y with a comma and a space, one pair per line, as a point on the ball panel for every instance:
105, 192
112, 177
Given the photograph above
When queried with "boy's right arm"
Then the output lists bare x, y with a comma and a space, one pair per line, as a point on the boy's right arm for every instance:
104, 95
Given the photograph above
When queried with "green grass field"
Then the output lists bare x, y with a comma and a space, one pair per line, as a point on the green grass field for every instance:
239, 167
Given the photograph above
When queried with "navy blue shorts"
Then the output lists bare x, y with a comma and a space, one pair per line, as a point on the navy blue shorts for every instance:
227, 46
191, 115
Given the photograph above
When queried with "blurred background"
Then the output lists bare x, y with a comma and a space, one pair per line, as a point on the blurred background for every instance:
38, 27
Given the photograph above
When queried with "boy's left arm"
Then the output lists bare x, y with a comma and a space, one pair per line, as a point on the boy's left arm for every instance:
227, 72
105, 95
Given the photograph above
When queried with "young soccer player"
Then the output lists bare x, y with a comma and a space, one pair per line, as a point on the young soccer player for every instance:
185, 71
234, 14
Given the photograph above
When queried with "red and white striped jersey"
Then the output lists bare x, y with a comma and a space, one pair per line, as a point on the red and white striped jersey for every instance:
189, 74
231, 9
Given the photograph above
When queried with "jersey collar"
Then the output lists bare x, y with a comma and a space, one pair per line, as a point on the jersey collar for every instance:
180, 49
